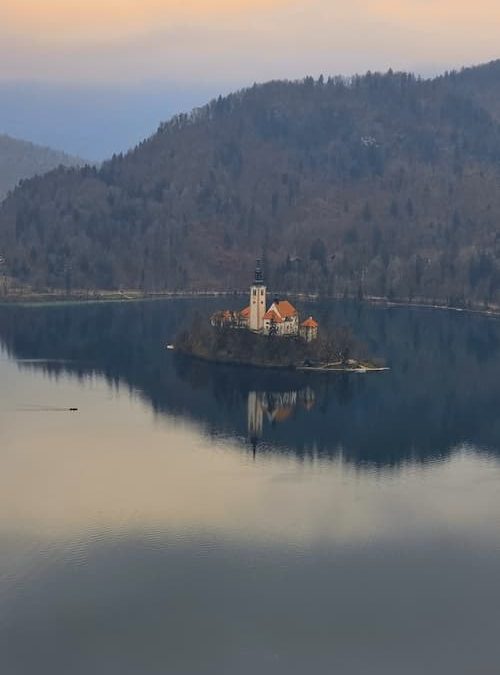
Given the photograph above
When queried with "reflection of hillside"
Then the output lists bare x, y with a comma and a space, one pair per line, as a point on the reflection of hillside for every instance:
443, 388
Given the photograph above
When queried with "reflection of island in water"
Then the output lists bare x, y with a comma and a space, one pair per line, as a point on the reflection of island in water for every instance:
274, 407
443, 388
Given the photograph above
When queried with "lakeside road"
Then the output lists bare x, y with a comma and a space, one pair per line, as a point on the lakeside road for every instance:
107, 296
56, 297
340, 369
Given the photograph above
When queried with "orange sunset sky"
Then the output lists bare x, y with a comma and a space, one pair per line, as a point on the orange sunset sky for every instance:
238, 40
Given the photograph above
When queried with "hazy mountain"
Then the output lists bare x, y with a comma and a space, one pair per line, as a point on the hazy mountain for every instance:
20, 160
92, 121
384, 184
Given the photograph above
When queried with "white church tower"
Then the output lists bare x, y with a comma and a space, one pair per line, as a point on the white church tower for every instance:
257, 300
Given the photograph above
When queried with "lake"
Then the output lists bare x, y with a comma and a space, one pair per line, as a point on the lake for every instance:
193, 519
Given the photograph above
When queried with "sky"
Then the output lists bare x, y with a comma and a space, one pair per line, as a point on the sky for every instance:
203, 47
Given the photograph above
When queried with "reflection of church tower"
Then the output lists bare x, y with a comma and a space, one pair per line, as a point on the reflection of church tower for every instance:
308, 398
257, 300
255, 416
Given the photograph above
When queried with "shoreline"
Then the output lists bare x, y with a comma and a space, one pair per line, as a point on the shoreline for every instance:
492, 311
55, 298
322, 368
34, 299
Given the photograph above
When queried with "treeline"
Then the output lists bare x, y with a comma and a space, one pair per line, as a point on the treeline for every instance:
226, 344
382, 184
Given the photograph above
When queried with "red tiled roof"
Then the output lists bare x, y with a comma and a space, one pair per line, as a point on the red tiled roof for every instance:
285, 308
245, 312
310, 323
272, 315
283, 414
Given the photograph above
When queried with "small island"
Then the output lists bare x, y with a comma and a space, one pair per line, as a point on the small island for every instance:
273, 337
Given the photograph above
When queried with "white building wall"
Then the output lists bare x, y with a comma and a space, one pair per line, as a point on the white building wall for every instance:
287, 327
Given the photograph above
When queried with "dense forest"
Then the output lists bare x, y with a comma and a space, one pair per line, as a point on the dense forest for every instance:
375, 185
20, 160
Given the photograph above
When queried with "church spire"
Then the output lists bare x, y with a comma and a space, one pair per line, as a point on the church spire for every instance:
259, 276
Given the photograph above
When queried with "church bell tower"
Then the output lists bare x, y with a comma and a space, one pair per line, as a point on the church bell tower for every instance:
257, 300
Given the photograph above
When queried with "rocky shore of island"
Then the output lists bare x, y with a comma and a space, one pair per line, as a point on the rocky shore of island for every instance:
335, 351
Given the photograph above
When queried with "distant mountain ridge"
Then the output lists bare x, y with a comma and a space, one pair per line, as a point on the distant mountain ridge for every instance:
20, 160
381, 184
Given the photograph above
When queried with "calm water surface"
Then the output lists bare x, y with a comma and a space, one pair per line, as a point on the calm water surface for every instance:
199, 520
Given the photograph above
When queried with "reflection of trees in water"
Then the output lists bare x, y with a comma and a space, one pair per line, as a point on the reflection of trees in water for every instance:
443, 388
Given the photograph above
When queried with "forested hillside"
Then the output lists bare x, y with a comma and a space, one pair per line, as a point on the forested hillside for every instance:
20, 160
381, 185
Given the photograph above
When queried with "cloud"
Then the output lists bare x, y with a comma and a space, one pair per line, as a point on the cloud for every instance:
58, 20
238, 41
445, 13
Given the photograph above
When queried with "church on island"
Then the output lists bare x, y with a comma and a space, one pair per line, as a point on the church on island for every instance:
280, 318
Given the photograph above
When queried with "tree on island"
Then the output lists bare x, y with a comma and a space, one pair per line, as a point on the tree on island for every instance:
224, 343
